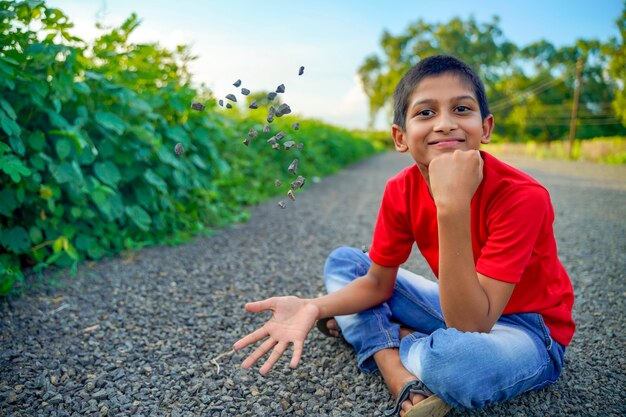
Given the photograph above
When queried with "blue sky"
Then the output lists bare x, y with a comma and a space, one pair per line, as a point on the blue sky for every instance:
264, 43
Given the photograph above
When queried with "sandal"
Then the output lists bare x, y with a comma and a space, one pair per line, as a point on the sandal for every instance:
431, 406
322, 325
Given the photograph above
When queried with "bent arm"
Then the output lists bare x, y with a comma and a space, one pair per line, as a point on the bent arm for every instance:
470, 301
365, 292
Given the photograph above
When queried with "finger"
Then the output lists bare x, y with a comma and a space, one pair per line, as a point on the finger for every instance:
253, 337
258, 306
298, 348
278, 351
258, 353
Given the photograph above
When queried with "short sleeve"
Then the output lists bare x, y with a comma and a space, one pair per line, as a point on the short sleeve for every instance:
393, 238
514, 227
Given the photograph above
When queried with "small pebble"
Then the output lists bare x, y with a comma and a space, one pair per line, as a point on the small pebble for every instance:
283, 109
237, 83
301, 71
293, 167
291, 195
221, 102
178, 149
271, 96
246, 141
282, 204
298, 183
272, 140
253, 105
296, 126
231, 97
280, 88
229, 106
300, 146
245, 91
289, 144
280, 135
270, 119
277, 182
197, 106
266, 128
252, 133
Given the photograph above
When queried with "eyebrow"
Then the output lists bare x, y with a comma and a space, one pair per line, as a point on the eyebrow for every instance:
430, 100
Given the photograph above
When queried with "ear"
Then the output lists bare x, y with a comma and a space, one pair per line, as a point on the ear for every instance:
487, 129
398, 138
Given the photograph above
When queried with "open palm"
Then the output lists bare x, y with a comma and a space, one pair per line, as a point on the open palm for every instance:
292, 319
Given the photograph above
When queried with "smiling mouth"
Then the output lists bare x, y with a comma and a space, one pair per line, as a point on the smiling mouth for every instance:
446, 140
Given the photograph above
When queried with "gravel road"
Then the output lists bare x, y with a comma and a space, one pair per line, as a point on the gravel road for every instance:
136, 334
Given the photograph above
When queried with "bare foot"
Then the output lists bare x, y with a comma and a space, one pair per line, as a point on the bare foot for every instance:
396, 376
333, 328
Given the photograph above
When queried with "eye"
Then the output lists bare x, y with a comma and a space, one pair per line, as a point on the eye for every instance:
425, 113
462, 109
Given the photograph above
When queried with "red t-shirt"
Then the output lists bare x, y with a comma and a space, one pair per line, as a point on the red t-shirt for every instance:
512, 238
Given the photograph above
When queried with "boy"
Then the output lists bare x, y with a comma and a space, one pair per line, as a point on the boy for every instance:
497, 322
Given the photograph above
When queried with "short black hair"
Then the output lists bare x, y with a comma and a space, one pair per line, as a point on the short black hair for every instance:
433, 66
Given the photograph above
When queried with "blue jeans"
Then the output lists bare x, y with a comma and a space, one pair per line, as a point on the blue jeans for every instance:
466, 369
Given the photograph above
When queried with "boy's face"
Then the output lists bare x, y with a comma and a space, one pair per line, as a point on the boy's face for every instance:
442, 115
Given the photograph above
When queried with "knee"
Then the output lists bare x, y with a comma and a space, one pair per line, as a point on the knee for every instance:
450, 368
344, 264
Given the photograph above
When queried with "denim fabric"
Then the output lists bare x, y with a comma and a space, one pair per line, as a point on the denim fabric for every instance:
466, 369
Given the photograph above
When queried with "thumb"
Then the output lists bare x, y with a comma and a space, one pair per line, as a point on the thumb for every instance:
258, 306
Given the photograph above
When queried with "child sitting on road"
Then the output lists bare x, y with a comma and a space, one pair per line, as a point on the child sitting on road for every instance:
497, 322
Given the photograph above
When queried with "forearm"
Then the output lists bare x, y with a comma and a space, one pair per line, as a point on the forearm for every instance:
464, 303
362, 293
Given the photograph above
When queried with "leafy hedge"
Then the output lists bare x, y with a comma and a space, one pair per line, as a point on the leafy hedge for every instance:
87, 132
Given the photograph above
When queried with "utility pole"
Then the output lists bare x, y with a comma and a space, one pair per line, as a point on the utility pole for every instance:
572, 123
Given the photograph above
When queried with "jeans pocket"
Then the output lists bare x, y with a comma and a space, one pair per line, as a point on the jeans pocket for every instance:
544, 331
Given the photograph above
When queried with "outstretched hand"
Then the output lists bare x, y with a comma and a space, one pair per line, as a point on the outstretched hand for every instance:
292, 319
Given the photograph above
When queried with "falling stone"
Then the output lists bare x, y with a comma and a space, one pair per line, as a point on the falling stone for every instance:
289, 144
237, 83
197, 106
252, 133
280, 135
229, 106
280, 88
221, 103
298, 183
301, 71
282, 204
283, 109
178, 149
231, 97
300, 146
293, 167
272, 140
245, 91
246, 141
271, 96
277, 183
266, 128
295, 126
253, 105
276, 146
291, 195
270, 119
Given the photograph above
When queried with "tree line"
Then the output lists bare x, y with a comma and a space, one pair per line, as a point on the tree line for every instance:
530, 88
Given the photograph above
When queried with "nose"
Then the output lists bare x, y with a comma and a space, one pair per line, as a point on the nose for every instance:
445, 123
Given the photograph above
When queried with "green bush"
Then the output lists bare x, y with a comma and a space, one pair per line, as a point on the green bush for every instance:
87, 133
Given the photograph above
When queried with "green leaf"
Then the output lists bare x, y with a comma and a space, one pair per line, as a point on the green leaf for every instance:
63, 148
36, 140
14, 168
35, 235
15, 239
8, 125
108, 173
154, 179
139, 216
18, 145
111, 122
8, 109
82, 88
8, 202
